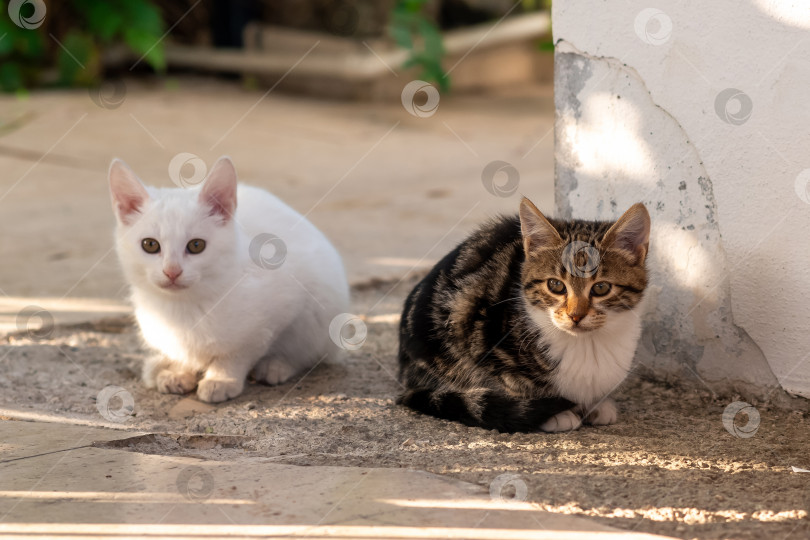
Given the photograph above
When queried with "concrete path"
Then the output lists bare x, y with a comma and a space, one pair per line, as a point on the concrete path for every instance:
78, 482
392, 190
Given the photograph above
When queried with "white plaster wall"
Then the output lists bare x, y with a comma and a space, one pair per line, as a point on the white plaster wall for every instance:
702, 111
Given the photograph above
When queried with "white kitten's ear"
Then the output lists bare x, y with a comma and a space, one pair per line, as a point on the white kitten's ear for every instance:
631, 233
219, 189
128, 193
537, 232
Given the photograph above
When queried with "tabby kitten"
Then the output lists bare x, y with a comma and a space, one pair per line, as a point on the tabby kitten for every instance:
528, 324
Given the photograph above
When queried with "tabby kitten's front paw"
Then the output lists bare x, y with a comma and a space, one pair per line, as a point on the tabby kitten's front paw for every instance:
564, 421
171, 382
603, 414
217, 390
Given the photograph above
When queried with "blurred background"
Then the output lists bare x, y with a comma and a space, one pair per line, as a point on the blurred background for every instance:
80, 42
395, 126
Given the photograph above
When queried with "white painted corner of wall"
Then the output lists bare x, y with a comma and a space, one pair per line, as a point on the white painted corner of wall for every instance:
699, 111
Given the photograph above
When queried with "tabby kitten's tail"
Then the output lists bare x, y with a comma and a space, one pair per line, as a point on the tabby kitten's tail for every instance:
484, 408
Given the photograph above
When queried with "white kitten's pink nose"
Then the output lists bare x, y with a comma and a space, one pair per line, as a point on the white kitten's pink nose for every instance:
173, 272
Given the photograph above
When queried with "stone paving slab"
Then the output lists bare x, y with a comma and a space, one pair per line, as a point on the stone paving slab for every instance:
67, 488
19, 440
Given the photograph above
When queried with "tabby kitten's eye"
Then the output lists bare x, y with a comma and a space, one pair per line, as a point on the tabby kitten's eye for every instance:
150, 245
600, 289
195, 246
556, 286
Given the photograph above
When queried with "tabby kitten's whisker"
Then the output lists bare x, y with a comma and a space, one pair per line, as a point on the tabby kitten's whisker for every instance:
508, 300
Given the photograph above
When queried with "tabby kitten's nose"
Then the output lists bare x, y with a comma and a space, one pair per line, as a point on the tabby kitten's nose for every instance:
576, 317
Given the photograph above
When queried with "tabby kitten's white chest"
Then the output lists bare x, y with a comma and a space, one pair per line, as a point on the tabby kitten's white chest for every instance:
591, 365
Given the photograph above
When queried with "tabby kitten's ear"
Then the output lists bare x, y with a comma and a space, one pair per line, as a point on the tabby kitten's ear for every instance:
127, 192
631, 233
537, 232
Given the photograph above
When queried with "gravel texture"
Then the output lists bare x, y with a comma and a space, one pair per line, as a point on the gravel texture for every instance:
669, 466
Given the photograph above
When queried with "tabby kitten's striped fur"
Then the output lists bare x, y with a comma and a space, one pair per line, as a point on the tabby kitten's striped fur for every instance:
528, 324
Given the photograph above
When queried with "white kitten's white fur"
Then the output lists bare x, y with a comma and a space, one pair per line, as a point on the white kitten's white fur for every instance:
226, 313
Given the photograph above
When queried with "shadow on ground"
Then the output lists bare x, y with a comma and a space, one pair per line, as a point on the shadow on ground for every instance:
669, 466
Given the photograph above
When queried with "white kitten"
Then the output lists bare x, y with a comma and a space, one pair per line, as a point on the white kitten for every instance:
206, 296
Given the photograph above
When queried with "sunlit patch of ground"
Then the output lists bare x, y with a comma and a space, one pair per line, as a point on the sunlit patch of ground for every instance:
669, 466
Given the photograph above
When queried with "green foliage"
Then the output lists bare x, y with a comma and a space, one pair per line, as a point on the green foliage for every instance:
534, 5
413, 31
20, 50
78, 47
74, 48
547, 44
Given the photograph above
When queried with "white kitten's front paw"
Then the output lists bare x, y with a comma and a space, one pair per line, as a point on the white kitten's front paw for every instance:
217, 390
171, 382
273, 371
603, 414
564, 421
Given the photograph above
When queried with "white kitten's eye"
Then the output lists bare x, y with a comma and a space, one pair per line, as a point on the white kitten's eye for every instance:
195, 246
150, 245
